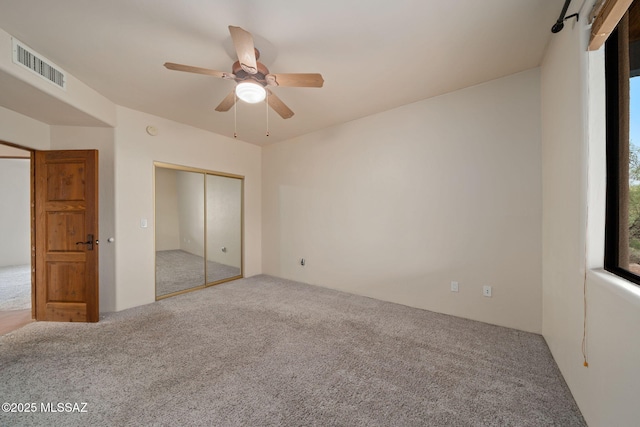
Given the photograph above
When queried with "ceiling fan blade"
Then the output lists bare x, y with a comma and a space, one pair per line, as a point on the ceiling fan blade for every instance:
227, 102
243, 43
198, 70
295, 80
278, 106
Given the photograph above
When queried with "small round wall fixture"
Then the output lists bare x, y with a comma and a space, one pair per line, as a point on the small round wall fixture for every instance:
152, 130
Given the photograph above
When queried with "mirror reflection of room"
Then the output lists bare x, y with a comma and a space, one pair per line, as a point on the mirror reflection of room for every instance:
191, 228
224, 226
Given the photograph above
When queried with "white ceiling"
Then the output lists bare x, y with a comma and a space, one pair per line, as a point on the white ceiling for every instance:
373, 55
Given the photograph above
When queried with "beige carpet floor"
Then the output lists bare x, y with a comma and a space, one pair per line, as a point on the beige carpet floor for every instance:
264, 351
15, 287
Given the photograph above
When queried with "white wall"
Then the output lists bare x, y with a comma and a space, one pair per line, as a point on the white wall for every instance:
101, 139
15, 213
397, 205
22, 130
135, 153
18, 129
573, 153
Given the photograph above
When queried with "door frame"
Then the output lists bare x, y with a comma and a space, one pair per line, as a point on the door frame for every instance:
32, 188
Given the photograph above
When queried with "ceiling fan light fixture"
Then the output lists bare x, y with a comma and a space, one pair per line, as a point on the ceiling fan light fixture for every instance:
250, 92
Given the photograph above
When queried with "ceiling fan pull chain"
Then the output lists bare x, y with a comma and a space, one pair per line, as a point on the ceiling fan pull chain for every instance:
266, 103
235, 116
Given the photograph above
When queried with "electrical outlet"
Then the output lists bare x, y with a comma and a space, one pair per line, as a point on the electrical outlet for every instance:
454, 286
486, 291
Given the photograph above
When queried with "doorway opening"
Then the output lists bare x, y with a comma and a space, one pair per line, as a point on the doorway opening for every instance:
16, 272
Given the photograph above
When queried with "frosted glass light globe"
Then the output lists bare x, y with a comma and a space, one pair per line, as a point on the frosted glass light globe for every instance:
250, 92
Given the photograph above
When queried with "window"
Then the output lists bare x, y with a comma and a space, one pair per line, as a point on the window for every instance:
622, 68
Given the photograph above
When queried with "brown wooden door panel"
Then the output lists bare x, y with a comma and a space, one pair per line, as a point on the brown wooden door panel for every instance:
64, 312
66, 180
65, 282
65, 257
66, 215
64, 229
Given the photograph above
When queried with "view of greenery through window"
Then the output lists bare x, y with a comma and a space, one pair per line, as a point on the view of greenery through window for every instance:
634, 208
634, 175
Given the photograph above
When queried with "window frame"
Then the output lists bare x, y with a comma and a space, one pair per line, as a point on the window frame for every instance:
613, 148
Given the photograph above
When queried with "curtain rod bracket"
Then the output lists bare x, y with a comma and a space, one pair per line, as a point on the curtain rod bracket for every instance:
559, 25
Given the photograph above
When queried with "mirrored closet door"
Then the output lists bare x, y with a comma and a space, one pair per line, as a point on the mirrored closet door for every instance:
198, 228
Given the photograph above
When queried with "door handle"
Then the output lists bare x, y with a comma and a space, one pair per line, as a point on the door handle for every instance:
89, 242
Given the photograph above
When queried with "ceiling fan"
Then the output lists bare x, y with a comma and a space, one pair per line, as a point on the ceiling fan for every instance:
252, 77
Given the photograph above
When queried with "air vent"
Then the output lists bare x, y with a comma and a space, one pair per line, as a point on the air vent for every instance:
37, 64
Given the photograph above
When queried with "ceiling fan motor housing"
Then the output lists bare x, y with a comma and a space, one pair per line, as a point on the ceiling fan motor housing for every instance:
242, 75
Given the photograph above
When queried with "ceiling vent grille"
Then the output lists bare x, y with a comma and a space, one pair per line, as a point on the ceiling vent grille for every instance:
37, 64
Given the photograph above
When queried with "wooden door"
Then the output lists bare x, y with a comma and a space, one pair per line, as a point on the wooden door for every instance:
66, 235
